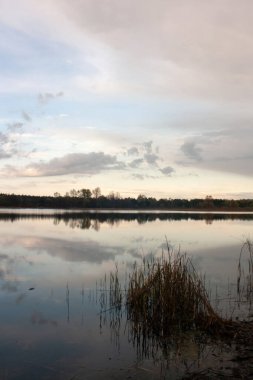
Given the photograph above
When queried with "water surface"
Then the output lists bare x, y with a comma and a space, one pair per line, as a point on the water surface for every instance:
51, 264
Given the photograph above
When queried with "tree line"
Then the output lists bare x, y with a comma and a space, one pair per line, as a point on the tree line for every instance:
86, 198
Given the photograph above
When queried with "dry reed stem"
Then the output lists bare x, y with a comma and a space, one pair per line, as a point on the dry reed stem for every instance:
169, 292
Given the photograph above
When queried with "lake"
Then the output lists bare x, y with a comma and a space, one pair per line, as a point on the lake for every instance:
53, 264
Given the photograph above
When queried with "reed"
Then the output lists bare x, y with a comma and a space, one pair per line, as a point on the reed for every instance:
167, 306
245, 273
167, 293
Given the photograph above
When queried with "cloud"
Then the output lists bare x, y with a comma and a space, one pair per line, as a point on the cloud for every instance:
177, 66
151, 158
228, 151
141, 177
3, 138
240, 195
191, 150
5, 151
148, 146
4, 154
136, 163
11, 141
75, 163
15, 126
168, 170
175, 48
133, 151
138, 176
3, 256
188, 49
26, 116
46, 97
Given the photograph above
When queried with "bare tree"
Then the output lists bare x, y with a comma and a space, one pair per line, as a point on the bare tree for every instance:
96, 192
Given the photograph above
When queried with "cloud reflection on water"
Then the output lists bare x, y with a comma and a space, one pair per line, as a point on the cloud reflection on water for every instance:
49, 253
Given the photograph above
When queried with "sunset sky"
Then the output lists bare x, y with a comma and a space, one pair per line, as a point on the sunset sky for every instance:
143, 96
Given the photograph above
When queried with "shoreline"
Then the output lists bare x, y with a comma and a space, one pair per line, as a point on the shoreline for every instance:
138, 210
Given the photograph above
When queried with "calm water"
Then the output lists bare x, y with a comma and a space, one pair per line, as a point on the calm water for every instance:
50, 323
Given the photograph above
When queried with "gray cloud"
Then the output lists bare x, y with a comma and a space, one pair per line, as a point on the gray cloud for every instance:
148, 146
15, 126
240, 195
26, 116
133, 151
191, 150
7, 142
3, 256
3, 138
241, 166
4, 154
136, 163
138, 176
168, 170
227, 151
143, 176
200, 48
151, 158
148, 155
47, 96
75, 163
145, 152
179, 49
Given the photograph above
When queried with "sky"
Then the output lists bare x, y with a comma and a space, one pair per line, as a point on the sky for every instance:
146, 97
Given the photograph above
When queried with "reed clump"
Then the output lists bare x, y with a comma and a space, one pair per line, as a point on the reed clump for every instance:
167, 294
245, 274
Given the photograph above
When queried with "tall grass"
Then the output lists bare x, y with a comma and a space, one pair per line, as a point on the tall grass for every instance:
168, 307
167, 293
245, 272
164, 295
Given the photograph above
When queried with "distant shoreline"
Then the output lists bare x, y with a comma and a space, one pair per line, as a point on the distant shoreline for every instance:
85, 200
